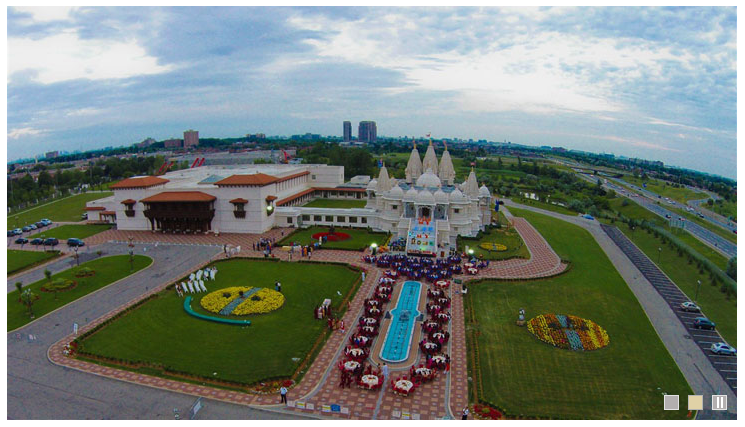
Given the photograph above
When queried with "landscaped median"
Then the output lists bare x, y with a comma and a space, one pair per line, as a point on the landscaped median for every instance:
89, 277
159, 337
67, 231
520, 370
23, 260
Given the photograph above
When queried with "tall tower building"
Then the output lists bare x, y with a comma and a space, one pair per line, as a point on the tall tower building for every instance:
347, 131
191, 138
368, 132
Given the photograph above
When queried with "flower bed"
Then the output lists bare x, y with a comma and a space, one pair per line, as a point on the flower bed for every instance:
262, 301
59, 285
336, 236
493, 247
568, 332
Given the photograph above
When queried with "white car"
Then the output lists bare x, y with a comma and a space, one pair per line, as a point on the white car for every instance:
690, 306
724, 349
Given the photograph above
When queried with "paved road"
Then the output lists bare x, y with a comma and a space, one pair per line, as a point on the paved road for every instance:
708, 237
37, 389
725, 365
693, 363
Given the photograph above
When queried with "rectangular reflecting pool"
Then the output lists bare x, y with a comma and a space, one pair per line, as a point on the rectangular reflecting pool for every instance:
397, 342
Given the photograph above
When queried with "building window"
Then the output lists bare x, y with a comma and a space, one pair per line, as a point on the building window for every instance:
317, 218
306, 217
329, 218
363, 220
394, 207
129, 207
239, 207
313, 177
289, 220
456, 210
353, 219
341, 219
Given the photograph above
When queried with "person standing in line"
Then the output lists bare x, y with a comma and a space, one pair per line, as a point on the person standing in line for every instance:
283, 395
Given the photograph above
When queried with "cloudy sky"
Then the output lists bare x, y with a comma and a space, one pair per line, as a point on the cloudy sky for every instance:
657, 83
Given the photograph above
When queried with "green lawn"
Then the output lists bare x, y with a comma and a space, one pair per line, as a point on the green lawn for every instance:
67, 209
81, 231
359, 238
108, 270
506, 235
724, 208
713, 302
681, 195
543, 205
522, 375
336, 203
22, 260
160, 331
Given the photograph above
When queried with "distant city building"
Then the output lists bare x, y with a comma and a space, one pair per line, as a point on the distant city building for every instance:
367, 132
146, 143
51, 154
172, 143
191, 138
307, 137
347, 131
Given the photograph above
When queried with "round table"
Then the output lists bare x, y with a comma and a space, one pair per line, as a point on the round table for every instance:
472, 270
430, 345
438, 335
351, 365
356, 352
404, 385
442, 283
468, 264
369, 321
370, 381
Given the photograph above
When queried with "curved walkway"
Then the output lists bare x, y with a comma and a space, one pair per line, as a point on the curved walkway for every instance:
441, 398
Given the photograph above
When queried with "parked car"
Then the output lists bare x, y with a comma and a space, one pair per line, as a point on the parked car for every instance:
32, 226
75, 242
689, 306
37, 241
51, 241
588, 216
10, 233
40, 224
26, 228
46, 221
17, 231
84, 216
21, 241
703, 323
724, 349
667, 216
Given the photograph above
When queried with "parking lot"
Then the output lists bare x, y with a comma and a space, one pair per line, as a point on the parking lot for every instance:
725, 365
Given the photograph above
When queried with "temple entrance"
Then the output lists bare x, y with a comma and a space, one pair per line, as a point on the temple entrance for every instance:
425, 212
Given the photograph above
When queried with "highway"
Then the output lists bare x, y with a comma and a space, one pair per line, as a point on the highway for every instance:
712, 239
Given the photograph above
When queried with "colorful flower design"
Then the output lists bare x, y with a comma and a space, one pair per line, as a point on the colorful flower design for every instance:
493, 247
568, 332
262, 301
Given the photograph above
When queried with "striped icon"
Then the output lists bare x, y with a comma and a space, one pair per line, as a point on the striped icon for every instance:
719, 402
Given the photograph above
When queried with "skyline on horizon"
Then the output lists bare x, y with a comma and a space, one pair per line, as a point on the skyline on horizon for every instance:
652, 83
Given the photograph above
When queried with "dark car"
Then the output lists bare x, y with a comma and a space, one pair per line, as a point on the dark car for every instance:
40, 224
37, 241
21, 241
26, 228
10, 233
51, 241
703, 323
75, 242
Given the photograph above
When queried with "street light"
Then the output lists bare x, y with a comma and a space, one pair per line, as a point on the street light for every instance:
659, 254
373, 248
77, 258
697, 288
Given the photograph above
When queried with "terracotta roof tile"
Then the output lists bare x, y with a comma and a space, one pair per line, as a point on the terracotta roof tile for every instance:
271, 198
239, 200
95, 208
108, 213
260, 179
179, 196
138, 182
129, 202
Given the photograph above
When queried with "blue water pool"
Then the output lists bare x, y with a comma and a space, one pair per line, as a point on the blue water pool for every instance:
398, 339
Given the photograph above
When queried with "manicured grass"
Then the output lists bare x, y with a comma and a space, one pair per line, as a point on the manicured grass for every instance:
523, 375
108, 270
681, 195
336, 203
505, 235
22, 260
159, 331
80, 231
359, 238
543, 205
68, 209
724, 208
714, 303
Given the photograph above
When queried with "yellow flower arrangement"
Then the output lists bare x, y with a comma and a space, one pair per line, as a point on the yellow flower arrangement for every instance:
216, 301
493, 247
263, 301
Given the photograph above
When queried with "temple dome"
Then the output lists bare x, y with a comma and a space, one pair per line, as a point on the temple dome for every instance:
396, 193
410, 195
425, 198
373, 184
441, 197
428, 180
457, 197
484, 191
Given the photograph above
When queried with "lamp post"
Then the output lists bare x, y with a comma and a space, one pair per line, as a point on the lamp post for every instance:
77, 258
374, 248
697, 288
659, 254
131, 254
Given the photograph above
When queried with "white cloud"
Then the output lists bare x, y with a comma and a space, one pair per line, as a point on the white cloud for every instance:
46, 13
21, 132
65, 56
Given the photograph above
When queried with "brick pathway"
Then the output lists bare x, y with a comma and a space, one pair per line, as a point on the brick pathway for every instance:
319, 386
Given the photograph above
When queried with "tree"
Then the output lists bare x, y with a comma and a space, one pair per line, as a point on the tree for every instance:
710, 202
27, 297
48, 275
732, 268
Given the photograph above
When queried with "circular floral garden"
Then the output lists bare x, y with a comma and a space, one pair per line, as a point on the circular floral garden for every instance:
568, 332
336, 236
493, 247
242, 300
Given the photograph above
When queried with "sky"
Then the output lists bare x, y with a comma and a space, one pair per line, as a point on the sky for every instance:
654, 83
